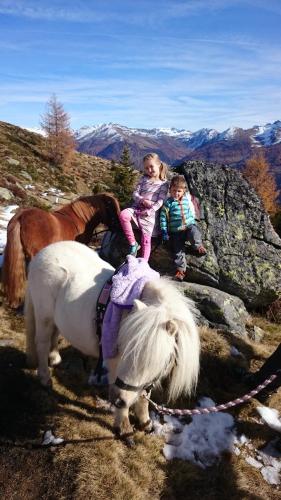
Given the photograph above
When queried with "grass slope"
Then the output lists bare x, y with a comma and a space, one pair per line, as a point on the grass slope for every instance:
23, 161
95, 465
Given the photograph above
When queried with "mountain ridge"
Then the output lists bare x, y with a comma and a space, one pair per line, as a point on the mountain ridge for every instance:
232, 146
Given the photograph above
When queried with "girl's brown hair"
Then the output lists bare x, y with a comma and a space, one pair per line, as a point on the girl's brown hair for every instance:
178, 181
163, 168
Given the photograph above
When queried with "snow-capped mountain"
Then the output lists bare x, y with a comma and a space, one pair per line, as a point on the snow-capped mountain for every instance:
108, 139
268, 134
265, 135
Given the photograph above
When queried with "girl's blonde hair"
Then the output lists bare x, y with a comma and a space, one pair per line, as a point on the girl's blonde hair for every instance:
163, 168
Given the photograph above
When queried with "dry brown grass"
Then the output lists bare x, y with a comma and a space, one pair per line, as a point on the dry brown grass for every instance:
274, 311
95, 465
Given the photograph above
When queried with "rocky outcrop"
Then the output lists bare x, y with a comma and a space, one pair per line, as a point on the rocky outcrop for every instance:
218, 309
244, 252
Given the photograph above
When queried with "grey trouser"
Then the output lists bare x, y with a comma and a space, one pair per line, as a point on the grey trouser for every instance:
178, 240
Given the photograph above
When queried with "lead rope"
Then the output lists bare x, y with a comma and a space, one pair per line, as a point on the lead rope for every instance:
213, 409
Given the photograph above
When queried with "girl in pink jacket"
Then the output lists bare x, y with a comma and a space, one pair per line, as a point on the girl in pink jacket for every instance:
148, 197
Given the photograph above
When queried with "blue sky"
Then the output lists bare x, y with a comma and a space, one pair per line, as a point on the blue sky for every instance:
146, 63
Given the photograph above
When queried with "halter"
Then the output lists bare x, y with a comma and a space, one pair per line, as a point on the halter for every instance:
147, 387
135, 388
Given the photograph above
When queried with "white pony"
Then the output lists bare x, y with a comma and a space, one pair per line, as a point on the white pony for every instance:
157, 338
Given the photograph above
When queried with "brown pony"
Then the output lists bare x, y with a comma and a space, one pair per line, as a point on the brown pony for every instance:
32, 229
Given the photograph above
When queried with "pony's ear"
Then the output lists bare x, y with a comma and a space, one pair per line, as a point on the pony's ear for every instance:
171, 327
139, 305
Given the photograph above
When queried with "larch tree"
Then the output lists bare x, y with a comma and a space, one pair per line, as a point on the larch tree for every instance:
60, 142
257, 172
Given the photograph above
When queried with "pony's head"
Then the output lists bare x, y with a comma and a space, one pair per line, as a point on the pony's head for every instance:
159, 338
109, 210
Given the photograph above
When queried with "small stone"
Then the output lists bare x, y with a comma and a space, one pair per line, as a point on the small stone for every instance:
12, 161
255, 333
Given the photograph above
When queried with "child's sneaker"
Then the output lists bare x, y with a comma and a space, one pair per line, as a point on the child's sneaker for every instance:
179, 276
134, 249
201, 250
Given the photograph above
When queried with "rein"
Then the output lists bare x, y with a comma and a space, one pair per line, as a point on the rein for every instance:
162, 410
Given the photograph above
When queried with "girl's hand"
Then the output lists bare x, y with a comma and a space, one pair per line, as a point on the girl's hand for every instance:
147, 203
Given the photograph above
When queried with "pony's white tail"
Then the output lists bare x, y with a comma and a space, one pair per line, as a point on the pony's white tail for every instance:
31, 353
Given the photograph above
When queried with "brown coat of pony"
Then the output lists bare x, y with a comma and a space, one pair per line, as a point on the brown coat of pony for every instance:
32, 229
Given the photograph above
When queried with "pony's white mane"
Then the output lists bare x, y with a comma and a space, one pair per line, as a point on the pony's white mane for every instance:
146, 342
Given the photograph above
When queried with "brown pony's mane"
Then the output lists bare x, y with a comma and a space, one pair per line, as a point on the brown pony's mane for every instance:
85, 206
81, 208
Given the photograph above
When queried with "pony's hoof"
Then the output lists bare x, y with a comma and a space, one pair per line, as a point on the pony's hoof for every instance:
146, 427
117, 432
129, 441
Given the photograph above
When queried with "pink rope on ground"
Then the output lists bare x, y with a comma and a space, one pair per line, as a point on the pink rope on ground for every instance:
213, 409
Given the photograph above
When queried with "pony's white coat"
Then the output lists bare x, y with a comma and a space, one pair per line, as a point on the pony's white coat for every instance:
157, 337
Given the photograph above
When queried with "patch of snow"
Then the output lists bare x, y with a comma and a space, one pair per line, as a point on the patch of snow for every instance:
201, 137
6, 213
267, 459
49, 438
36, 130
271, 417
228, 134
242, 439
202, 441
252, 461
100, 131
271, 475
29, 186
268, 134
55, 191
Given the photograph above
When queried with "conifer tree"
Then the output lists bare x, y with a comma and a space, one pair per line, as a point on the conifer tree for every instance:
60, 142
125, 158
257, 172
123, 177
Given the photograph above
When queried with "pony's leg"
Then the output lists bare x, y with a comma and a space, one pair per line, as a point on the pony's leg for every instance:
31, 351
122, 426
142, 414
54, 356
44, 329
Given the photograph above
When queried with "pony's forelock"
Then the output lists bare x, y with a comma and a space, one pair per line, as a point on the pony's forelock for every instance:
145, 342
